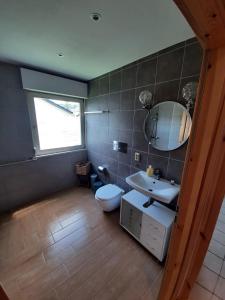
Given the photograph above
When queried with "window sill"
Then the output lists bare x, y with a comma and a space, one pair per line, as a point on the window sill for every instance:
37, 156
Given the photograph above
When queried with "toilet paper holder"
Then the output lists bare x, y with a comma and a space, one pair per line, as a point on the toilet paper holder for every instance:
102, 169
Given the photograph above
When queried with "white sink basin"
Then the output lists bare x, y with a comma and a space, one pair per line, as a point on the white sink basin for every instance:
161, 190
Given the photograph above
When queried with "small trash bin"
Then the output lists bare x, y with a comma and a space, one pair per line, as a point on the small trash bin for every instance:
97, 185
95, 182
94, 178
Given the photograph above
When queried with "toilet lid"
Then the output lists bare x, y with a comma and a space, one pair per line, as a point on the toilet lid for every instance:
108, 192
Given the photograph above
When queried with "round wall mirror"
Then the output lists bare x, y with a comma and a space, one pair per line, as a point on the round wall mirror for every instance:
167, 126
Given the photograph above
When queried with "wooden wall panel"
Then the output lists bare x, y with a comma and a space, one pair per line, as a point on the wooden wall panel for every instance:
202, 187
3, 295
207, 19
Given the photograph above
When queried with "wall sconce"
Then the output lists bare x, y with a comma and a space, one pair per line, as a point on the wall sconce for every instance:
189, 92
145, 97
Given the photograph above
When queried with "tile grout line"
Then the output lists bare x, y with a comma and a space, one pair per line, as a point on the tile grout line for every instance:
178, 93
143, 86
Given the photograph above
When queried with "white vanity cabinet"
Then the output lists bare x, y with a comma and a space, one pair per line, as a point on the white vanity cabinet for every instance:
151, 226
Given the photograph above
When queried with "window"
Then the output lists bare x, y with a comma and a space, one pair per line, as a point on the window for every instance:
56, 123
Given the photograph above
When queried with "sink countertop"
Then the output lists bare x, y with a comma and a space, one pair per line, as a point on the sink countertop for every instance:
159, 212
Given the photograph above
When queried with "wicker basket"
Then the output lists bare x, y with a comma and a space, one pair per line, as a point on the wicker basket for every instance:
83, 168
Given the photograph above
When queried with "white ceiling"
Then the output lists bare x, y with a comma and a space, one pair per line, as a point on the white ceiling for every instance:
32, 32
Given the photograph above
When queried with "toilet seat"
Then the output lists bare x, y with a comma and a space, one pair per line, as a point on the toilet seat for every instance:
109, 196
108, 192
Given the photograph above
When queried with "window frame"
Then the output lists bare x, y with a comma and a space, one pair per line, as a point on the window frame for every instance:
34, 127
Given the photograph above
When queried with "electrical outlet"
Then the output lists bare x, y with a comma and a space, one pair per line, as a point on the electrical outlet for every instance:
137, 156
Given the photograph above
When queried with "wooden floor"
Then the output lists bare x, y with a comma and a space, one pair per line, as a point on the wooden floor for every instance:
65, 247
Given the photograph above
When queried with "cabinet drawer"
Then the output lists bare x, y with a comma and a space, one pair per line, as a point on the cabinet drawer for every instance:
155, 249
152, 241
131, 218
150, 226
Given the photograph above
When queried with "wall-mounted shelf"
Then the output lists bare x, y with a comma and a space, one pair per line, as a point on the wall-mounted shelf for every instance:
95, 112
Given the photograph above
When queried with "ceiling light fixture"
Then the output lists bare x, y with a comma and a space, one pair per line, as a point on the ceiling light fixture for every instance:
96, 17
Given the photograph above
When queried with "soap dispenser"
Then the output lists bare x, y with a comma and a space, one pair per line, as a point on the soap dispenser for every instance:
150, 170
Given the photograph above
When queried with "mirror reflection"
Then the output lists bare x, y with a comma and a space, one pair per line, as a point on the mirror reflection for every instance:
168, 126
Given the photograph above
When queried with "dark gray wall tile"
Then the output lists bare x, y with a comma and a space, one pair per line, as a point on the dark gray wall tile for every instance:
122, 183
148, 57
191, 41
132, 64
114, 101
104, 85
158, 162
121, 119
179, 153
125, 136
97, 103
107, 150
127, 100
113, 134
97, 120
158, 152
192, 60
10, 77
139, 117
123, 170
175, 169
169, 65
172, 48
139, 141
166, 91
146, 72
93, 88
115, 81
125, 158
129, 77
91, 104
101, 131
112, 164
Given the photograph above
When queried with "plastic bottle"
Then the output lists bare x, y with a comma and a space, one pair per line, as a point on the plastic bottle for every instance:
150, 170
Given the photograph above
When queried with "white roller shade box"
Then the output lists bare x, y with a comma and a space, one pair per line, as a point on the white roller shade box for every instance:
46, 83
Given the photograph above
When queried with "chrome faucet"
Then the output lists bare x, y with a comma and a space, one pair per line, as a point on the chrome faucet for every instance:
157, 174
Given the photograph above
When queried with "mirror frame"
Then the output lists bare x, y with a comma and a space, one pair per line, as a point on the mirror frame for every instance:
149, 114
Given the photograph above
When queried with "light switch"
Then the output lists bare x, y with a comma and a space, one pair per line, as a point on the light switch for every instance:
137, 156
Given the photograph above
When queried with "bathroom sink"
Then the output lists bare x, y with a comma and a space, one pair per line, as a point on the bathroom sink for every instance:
161, 190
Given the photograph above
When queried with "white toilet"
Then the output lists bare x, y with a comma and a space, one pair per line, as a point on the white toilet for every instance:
109, 196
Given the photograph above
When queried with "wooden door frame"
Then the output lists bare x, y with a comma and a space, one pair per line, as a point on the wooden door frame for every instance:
202, 187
